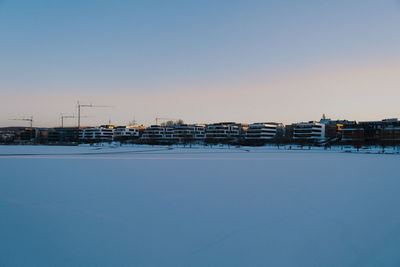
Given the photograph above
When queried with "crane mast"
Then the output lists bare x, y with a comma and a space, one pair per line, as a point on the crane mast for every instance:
62, 117
87, 106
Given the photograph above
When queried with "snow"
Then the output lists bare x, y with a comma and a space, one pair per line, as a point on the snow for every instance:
160, 206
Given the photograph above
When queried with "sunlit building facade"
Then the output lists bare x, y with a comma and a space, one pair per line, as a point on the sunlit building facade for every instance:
311, 131
263, 131
225, 131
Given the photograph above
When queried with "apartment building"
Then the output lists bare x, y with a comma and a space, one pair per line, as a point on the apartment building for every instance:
189, 132
104, 133
175, 133
225, 131
311, 131
63, 135
351, 133
158, 133
263, 131
372, 132
325, 130
154, 133
122, 133
390, 134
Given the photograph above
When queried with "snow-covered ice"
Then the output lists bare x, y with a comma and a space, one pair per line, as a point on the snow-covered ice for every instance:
157, 206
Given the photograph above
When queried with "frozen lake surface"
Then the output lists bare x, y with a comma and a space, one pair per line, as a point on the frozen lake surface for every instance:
153, 206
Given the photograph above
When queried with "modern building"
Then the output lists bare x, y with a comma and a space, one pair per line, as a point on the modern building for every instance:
63, 135
225, 131
351, 133
9, 134
323, 131
189, 132
154, 133
27, 135
174, 133
158, 133
311, 131
123, 133
372, 132
104, 133
263, 131
390, 135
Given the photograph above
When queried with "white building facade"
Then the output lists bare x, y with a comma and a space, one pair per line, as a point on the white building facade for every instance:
309, 131
97, 134
263, 131
127, 132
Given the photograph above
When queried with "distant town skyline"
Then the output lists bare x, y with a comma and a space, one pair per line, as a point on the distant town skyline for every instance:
208, 61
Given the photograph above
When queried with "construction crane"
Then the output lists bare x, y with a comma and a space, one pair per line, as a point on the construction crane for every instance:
87, 106
30, 119
158, 119
62, 117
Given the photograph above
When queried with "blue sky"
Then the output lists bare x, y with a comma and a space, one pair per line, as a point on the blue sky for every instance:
201, 61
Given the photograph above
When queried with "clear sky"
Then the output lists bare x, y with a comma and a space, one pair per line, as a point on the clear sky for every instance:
201, 61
